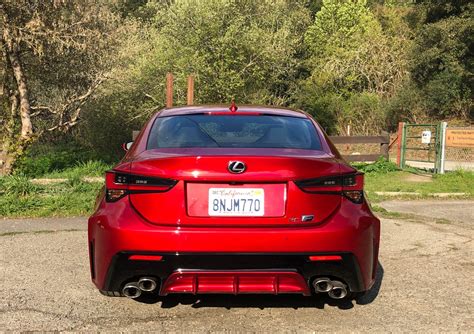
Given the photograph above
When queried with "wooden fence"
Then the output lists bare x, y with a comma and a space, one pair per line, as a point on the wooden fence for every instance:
383, 140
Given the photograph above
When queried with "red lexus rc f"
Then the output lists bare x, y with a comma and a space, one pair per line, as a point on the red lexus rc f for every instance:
211, 199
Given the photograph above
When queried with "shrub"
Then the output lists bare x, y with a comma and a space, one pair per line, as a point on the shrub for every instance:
381, 166
46, 158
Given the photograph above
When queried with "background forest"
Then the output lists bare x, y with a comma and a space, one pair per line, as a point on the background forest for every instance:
76, 77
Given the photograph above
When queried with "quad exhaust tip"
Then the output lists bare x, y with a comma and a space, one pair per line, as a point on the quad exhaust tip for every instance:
134, 289
147, 284
335, 289
131, 290
322, 284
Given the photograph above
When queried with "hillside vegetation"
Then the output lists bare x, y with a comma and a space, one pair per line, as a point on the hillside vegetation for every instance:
78, 76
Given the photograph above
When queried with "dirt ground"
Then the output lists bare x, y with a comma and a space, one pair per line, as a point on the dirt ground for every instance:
424, 284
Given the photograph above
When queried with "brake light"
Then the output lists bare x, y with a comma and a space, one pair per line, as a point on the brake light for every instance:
350, 186
235, 113
119, 185
233, 107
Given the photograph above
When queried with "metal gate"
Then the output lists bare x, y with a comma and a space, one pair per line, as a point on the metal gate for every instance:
421, 143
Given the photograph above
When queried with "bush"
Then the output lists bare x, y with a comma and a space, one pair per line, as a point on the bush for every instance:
381, 166
46, 158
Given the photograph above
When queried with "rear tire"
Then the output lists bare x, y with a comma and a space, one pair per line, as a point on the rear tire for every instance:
356, 295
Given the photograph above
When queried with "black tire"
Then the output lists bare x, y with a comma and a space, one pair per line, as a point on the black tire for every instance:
355, 295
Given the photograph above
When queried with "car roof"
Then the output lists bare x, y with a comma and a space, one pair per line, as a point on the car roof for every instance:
199, 109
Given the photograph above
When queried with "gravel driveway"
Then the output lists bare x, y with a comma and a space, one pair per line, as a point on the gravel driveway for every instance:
424, 283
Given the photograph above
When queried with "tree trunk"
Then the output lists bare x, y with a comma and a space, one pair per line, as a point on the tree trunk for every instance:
8, 143
11, 50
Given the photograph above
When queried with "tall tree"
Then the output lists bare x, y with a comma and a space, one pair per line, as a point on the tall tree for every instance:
354, 64
443, 58
53, 61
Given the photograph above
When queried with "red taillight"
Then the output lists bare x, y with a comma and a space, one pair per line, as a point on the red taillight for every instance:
353, 187
325, 258
349, 185
145, 257
114, 195
119, 184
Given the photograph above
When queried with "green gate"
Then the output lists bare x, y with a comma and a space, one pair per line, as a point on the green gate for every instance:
421, 143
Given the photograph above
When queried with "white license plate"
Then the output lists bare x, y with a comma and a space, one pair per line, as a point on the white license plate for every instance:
236, 202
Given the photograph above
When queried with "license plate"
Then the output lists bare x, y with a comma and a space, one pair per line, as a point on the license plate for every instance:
236, 202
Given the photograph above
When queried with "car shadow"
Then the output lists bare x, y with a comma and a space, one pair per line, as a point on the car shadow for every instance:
265, 301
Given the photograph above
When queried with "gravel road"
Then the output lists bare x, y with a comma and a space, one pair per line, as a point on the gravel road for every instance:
424, 284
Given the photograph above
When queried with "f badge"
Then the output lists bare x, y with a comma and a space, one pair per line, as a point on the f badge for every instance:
236, 167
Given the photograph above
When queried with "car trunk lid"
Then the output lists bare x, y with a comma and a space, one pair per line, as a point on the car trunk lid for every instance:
207, 193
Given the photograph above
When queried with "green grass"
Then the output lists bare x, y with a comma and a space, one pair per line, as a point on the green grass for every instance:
89, 168
19, 197
453, 182
62, 199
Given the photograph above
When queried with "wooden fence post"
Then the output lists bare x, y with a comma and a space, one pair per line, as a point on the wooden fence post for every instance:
190, 90
384, 147
169, 90
399, 143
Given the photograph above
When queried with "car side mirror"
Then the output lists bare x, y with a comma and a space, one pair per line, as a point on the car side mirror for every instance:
126, 146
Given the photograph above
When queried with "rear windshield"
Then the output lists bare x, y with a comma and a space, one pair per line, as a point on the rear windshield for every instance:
233, 131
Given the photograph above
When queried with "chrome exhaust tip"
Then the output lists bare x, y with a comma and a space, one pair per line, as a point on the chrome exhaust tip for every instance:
131, 290
147, 284
338, 291
322, 284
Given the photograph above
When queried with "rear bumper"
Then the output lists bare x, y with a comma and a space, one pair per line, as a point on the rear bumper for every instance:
352, 232
193, 268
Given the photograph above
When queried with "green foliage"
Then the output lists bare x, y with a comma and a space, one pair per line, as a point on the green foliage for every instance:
51, 202
338, 26
44, 159
17, 185
91, 168
96, 70
442, 58
400, 181
243, 50
357, 62
381, 166
364, 112
440, 64
20, 198
456, 177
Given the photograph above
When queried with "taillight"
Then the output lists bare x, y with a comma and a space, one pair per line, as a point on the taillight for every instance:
349, 185
353, 187
119, 184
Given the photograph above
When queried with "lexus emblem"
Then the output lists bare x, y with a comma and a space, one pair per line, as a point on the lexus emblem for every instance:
236, 167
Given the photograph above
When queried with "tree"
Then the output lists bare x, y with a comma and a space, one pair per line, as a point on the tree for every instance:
442, 58
52, 62
245, 50
353, 61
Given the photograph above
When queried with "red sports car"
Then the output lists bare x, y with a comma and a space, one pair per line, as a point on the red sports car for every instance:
211, 199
